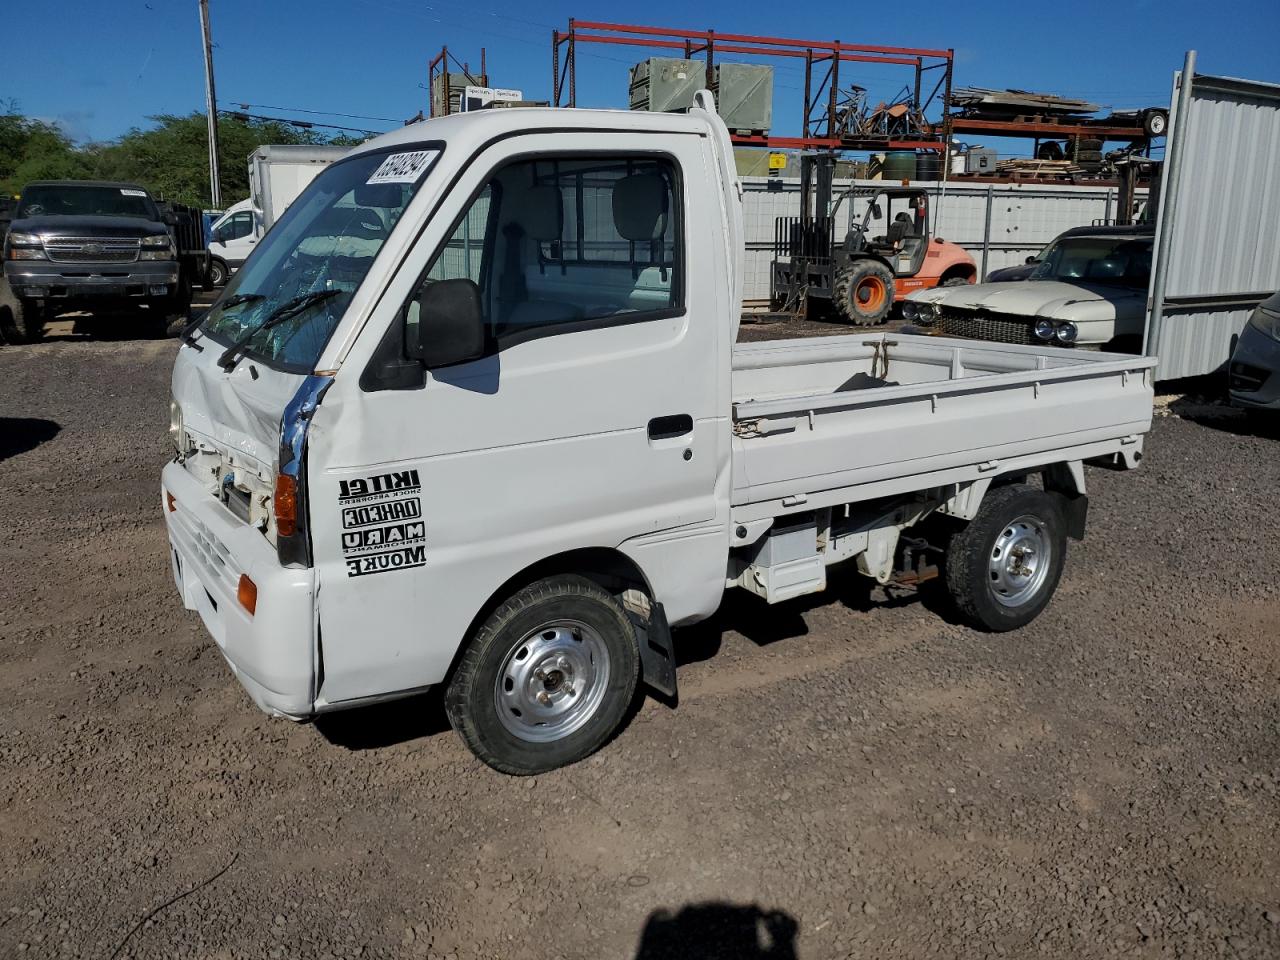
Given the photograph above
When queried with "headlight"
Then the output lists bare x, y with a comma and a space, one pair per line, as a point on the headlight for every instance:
1067, 333
24, 246
156, 248
926, 312
910, 310
1264, 321
1044, 329
175, 426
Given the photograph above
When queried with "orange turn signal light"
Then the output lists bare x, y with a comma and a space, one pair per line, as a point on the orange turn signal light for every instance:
170, 502
286, 505
247, 593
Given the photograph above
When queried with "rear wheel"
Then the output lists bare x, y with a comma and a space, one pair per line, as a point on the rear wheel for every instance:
547, 679
217, 273
21, 320
1003, 567
863, 293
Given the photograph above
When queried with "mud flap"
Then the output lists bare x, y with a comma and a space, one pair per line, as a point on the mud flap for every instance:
657, 656
1075, 511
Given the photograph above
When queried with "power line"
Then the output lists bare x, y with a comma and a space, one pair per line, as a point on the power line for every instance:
319, 113
303, 124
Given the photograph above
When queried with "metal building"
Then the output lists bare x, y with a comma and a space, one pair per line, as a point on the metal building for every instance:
1217, 250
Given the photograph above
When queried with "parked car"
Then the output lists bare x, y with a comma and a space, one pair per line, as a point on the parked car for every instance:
87, 245
1024, 270
477, 416
1254, 371
231, 239
1090, 290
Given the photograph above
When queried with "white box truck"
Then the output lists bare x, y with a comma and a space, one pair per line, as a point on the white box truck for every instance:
278, 173
475, 417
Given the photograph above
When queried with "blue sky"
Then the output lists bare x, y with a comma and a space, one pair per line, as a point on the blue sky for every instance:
102, 67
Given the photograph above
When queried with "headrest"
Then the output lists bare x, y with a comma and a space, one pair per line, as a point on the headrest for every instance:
537, 210
640, 206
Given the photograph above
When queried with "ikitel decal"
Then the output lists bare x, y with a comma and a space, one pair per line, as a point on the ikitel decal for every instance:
382, 525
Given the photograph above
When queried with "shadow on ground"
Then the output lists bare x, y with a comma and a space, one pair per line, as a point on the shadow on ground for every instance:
385, 724
718, 931
20, 434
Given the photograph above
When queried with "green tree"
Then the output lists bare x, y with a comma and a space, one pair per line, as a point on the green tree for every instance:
31, 149
172, 158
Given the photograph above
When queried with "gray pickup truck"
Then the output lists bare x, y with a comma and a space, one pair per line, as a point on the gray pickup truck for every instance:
98, 247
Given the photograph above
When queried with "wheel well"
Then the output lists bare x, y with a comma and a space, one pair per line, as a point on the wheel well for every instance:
965, 270
611, 569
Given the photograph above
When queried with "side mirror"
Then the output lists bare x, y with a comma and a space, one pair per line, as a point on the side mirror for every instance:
1032, 259
170, 218
876, 212
450, 327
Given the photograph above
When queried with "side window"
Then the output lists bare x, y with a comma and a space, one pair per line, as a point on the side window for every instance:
568, 239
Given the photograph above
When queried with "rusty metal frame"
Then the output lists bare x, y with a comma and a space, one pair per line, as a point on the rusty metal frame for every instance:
439, 65
817, 125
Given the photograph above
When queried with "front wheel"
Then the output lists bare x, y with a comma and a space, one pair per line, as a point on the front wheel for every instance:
1003, 567
863, 293
21, 321
547, 679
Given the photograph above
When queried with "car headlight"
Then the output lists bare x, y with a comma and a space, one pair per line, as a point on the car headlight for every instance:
910, 310
156, 248
1264, 321
926, 311
1044, 329
175, 427
24, 246
1067, 333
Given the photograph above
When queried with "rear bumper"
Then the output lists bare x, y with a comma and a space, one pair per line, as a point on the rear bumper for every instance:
1254, 371
272, 651
45, 280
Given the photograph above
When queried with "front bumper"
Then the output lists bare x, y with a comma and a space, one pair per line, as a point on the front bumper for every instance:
46, 280
1254, 371
272, 651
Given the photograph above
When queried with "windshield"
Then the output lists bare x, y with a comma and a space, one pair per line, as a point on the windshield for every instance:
326, 240
79, 200
1120, 261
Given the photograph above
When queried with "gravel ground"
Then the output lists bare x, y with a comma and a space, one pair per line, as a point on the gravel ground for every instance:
849, 775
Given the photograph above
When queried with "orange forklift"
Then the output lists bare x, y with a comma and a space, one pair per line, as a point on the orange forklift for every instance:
880, 260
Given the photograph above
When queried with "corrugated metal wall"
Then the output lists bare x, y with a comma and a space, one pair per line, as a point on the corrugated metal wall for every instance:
1024, 217
1217, 248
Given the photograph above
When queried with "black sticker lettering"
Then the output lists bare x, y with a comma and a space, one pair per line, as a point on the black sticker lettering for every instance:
382, 526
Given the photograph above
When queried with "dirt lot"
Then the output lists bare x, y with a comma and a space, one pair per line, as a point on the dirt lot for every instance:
851, 776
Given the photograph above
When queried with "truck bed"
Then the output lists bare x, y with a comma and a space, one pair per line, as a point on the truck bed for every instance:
840, 419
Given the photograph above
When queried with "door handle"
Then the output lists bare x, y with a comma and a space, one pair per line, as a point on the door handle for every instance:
666, 428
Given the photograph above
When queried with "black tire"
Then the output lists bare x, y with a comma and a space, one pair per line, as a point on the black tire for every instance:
21, 320
218, 274
1089, 143
864, 293
1011, 518
1155, 123
1089, 156
487, 721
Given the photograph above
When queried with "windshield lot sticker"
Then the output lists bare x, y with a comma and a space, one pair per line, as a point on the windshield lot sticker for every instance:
133, 193
382, 526
403, 167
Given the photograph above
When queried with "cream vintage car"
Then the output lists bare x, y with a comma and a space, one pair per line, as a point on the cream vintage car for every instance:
1087, 291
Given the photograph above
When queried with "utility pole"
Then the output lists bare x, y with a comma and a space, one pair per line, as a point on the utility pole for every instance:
211, 106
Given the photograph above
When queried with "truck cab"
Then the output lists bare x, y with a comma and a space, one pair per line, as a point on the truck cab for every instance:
84, 245
472, 416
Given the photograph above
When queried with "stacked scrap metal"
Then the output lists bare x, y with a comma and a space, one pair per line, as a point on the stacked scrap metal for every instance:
979, 101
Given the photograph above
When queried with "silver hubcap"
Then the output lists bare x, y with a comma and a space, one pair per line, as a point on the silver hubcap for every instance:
1019, 561
552, 681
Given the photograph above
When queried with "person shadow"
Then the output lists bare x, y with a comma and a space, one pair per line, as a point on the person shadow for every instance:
715, 930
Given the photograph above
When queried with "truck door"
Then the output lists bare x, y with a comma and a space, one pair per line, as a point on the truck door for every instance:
597, 417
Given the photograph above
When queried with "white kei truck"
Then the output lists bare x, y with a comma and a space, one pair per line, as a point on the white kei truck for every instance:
473, 416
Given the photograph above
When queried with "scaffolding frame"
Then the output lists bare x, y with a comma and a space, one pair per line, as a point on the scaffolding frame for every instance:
820, 117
